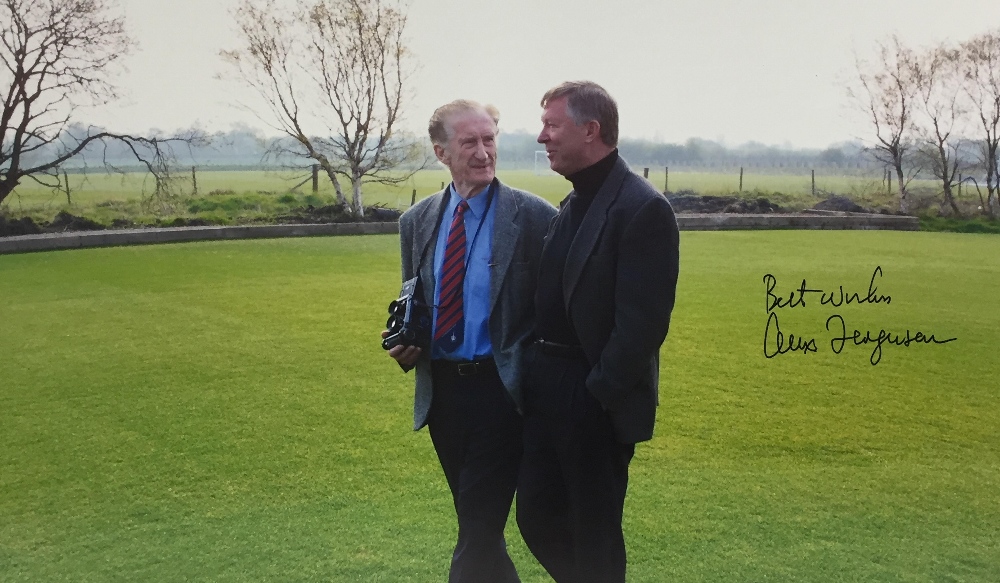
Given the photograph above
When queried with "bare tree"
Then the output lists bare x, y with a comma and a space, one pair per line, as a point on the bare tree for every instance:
886, 91
981, 58
941, 117
58, 56
332, 76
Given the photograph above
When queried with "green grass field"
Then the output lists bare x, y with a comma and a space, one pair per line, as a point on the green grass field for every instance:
223, 412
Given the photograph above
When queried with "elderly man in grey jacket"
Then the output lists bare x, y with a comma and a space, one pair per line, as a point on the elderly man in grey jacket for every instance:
476, 247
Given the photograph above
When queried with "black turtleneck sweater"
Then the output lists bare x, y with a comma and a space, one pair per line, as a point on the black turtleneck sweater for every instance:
552, 320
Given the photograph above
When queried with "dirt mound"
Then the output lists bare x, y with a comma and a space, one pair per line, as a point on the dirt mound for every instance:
381, 214
336, 213
124, 224
683, 202
182, 222
841, 204
65, 221
14, 227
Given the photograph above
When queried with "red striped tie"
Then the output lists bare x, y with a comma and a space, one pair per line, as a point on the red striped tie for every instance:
451, 319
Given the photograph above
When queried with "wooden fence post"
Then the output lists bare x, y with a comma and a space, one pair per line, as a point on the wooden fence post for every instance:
69, 199
194, 181
315, 178
413, 199
645, 173
741, 179
814, 182
666, 180
888, 175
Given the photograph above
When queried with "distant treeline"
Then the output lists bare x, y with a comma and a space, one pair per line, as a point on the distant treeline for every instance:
244, 147
519, 149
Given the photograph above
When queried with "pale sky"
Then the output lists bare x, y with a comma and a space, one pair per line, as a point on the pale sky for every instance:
771, 71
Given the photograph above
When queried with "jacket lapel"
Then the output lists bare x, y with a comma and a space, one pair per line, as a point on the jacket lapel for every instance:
424, 242
505, 238
590, 229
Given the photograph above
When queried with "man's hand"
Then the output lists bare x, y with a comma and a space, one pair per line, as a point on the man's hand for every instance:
406, 356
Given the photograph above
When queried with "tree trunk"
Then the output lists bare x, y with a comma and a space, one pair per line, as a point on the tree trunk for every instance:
992, 184
992, 196
341, 200
947, 175
357, 206
904, 197
948, 198
6, 187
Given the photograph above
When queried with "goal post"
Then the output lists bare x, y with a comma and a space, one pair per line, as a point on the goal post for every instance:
542, 163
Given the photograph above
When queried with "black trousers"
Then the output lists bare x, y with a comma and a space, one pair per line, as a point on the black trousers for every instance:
476, 431
574, 475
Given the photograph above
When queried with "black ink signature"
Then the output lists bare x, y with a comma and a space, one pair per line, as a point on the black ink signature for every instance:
778, 339
837, 342
797, 297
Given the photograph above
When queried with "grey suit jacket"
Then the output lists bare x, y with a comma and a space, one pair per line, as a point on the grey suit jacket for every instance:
618, 285
519, 228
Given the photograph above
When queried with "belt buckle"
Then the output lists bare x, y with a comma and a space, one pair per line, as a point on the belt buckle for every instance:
466, 369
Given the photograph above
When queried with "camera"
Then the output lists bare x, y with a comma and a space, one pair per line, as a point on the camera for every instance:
409, 322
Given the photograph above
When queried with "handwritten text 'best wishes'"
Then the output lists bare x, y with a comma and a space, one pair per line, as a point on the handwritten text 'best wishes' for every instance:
778, 341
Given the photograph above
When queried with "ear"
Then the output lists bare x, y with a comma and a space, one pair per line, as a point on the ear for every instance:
592, 131
442, 156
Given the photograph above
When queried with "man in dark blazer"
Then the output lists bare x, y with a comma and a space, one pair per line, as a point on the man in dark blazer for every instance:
468, 384
604, 298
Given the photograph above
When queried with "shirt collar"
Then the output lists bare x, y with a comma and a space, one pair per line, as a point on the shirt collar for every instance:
477, 204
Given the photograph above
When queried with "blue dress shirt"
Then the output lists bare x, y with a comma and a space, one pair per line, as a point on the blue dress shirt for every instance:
478, 253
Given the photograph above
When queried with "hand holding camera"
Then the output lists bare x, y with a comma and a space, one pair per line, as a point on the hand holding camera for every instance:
409, 323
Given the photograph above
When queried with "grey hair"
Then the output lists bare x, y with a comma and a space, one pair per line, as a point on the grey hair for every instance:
439, 127
587, 101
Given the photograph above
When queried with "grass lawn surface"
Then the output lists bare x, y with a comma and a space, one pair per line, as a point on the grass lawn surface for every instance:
223, 412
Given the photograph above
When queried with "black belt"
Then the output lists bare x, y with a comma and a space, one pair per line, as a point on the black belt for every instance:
465, 368
560, 350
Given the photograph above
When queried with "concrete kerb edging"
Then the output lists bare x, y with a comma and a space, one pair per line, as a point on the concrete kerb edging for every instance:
838, 221
80, 240
686, 222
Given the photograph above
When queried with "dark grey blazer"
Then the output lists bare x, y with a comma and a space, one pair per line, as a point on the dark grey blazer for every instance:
519, 228
619, 283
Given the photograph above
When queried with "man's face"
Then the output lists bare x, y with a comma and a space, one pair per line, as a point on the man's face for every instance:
471, 152
564, 140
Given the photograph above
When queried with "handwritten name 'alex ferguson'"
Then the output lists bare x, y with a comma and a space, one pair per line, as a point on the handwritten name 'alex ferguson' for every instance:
778, 342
